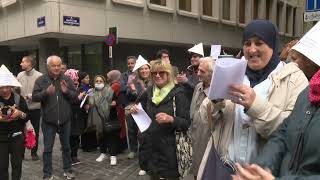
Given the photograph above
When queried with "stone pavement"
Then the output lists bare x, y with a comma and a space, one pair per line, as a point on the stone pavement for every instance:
89, 169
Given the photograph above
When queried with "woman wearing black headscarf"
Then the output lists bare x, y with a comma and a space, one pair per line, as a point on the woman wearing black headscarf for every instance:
266, 97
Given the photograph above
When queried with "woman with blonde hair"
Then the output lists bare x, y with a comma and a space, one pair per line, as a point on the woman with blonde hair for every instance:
167, 106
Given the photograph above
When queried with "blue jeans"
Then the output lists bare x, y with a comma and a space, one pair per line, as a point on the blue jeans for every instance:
49, 134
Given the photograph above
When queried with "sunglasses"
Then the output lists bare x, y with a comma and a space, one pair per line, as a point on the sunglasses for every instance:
161, 73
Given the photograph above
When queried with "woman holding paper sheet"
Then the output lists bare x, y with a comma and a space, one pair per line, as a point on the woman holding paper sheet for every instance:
136, 88
264, 100
159, 101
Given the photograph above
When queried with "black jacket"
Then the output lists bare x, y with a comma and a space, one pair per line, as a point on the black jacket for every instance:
8, 128
56, 108
159, 148
293, 151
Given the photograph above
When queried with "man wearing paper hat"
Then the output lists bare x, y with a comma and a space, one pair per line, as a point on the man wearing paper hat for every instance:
13, 116
293, 148
189, 79
56, 92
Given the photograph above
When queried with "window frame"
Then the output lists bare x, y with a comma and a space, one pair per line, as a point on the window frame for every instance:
135, 3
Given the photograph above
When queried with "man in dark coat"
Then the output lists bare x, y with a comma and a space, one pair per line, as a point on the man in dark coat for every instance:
55, 91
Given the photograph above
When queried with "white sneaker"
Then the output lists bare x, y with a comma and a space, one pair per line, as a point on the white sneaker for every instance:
113, 160
131, 155
101, 157
142, 172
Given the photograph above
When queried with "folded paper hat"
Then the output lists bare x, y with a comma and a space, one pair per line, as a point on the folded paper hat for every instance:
7, 78
198, 49
140, 62
309, 44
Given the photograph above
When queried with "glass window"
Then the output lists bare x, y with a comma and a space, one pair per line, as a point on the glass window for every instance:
242, 11
159, 2
207, 7
185, 5
279, 11
93, 59
226, 10
255, 8
74, 57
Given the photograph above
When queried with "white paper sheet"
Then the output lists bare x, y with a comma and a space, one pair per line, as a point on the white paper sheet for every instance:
83, 101
227, 71
142, 119
215, 51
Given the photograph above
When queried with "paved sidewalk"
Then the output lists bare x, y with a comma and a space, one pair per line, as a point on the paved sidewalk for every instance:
89, 169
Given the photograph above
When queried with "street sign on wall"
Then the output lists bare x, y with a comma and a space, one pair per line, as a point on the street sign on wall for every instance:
41, 21
71, 21
312, 11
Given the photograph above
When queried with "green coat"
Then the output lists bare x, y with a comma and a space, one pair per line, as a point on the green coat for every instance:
293, 150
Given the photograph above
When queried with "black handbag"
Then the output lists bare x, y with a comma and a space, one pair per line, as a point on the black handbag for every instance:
110, 125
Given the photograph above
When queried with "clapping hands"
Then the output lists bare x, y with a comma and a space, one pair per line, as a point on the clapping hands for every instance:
252, 172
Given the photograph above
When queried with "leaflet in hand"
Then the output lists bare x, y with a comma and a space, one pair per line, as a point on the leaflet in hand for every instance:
227, 71
142, 119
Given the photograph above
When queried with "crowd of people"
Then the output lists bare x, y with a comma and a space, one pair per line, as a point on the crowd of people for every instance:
269, 131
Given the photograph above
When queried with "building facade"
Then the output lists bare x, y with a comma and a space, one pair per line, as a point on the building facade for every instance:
76, 29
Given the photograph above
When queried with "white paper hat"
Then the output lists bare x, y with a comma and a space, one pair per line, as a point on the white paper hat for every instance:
7, 78
198, 49
140, 62
309, 44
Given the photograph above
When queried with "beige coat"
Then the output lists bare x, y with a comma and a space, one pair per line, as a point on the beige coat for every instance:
27, 80
267, 115
199, 125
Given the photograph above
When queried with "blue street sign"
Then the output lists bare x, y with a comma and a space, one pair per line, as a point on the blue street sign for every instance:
41, 21
71, 21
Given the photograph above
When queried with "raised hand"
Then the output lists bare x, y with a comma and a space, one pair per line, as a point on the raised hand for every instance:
64, 86
51, 90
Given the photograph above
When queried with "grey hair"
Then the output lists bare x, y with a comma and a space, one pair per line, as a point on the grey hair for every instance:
209, 62
49, 59
114, 75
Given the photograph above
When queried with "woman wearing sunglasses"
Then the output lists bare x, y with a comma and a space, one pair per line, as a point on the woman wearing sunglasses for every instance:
159, 101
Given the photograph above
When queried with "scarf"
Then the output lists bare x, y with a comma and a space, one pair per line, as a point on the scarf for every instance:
160, 94
266, 31
314, 93
100, 110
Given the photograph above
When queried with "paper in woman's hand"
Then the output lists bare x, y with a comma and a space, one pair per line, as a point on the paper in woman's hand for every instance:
142, 119
227, 71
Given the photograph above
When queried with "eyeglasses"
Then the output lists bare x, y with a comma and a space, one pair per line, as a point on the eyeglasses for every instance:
161, 73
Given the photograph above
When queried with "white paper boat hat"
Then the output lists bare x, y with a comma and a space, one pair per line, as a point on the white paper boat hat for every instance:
198, 49
7, 78
309, 44
140, 62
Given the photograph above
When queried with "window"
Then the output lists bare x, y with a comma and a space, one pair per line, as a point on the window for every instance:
255, 7
226, 9
74, 57
280, 17
185, 5
207, 7
242, 11
159, 2
5, 3
289, 20
294, 16
136, 3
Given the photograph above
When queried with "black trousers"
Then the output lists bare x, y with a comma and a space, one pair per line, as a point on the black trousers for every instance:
89, 141
132, 133
35, 121
13, 148
74, 144
110, 141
